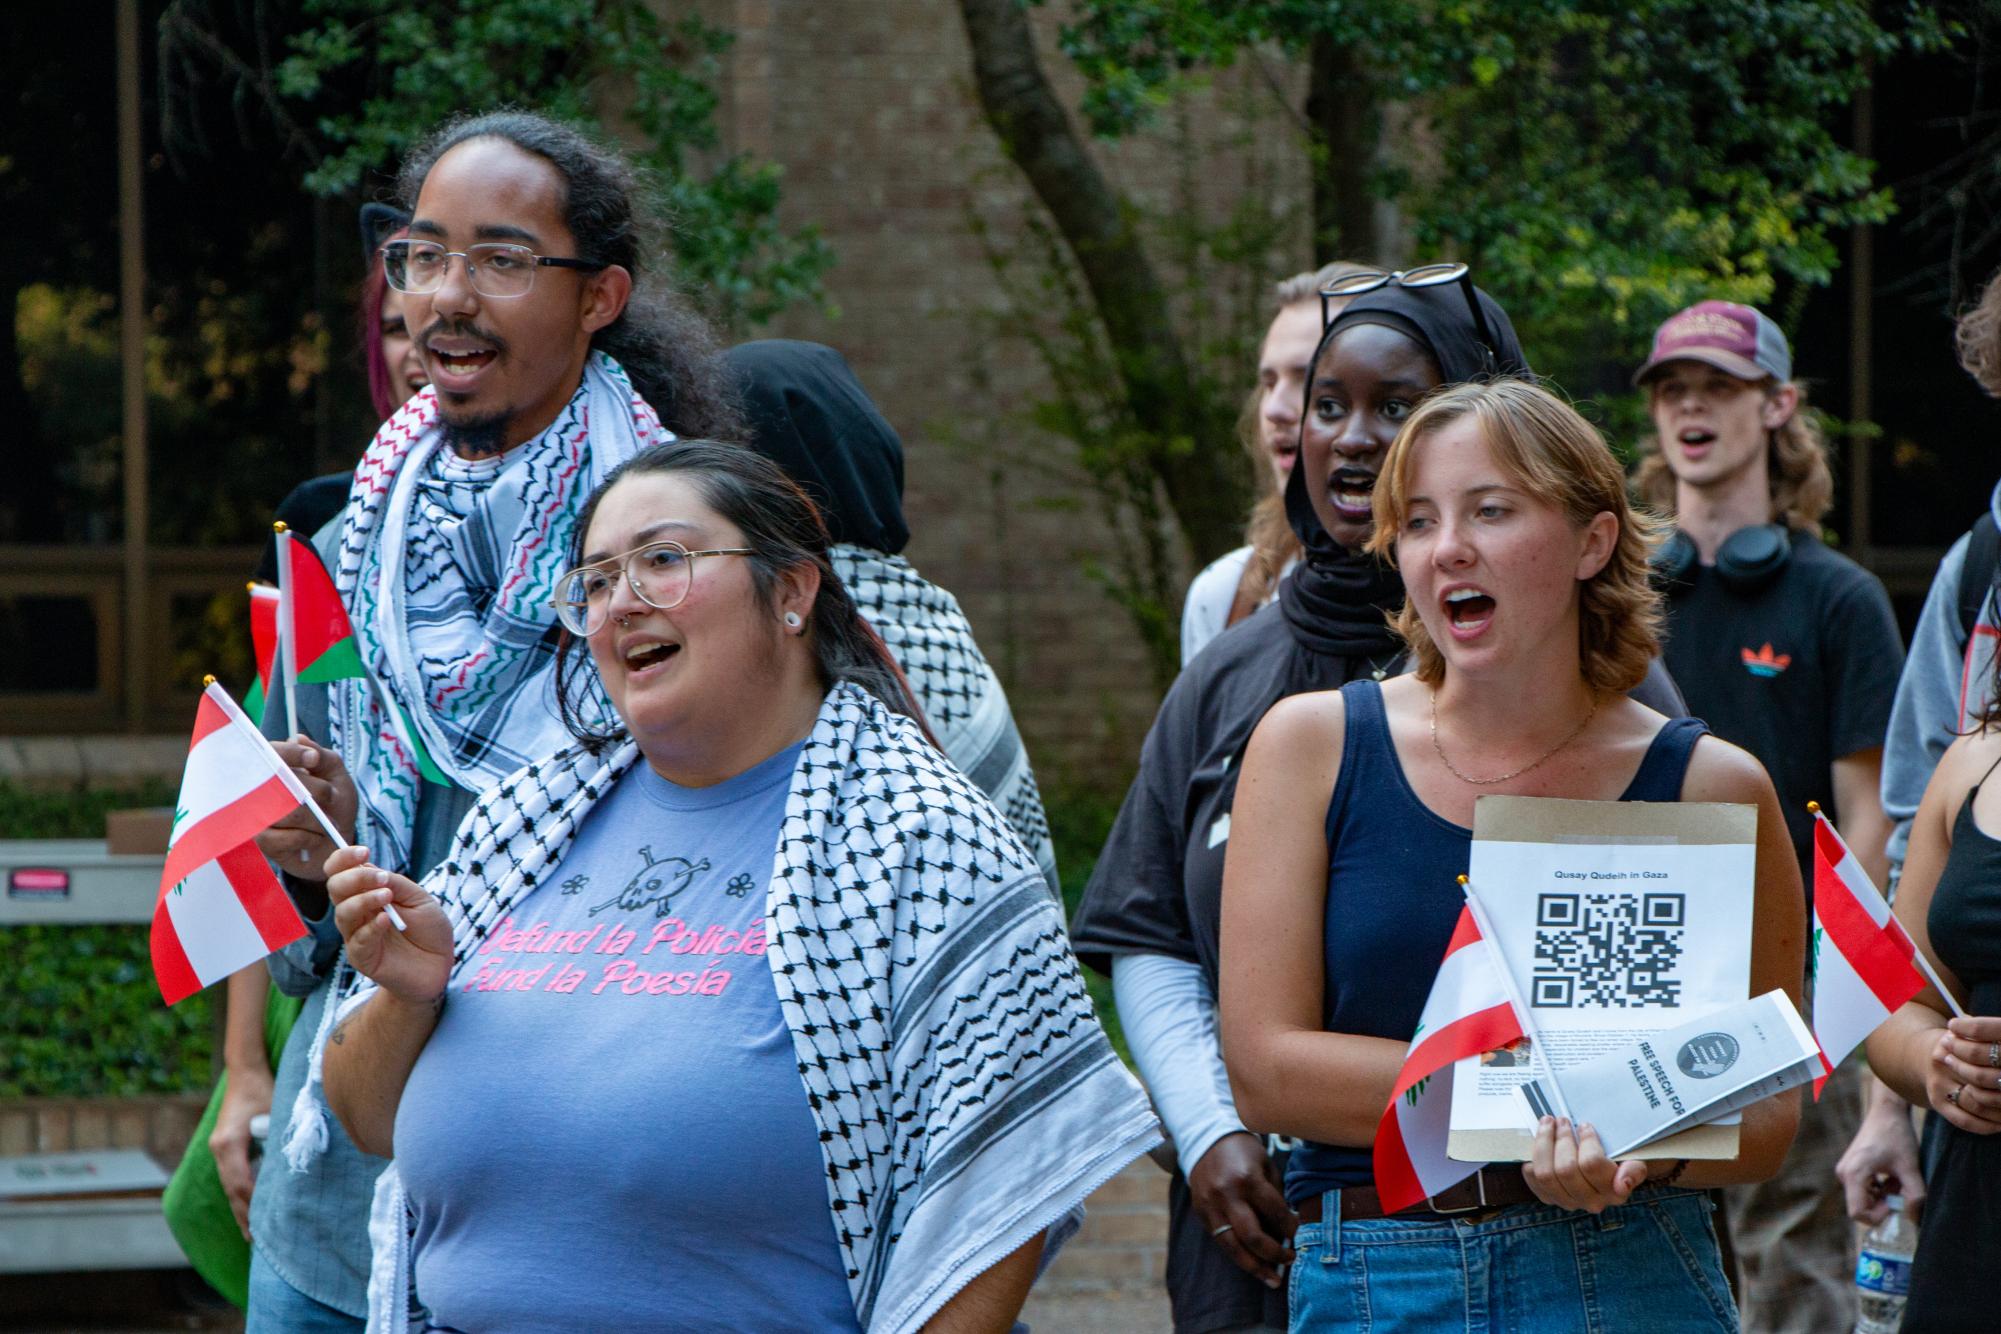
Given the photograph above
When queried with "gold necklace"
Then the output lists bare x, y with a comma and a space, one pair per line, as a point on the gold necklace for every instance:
1575, 733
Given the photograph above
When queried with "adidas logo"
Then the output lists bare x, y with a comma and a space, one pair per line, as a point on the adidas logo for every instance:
1764, 662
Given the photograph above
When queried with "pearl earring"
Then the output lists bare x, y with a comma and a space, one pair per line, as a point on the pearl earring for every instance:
792, 620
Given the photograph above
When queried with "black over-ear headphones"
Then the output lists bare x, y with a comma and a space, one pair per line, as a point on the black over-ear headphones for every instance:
1749, 558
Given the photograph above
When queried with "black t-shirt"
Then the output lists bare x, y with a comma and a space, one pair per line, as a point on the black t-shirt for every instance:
1158, 885
309, 507
1800, 673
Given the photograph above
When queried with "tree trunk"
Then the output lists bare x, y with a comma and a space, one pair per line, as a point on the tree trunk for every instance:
1341, 106
1193, 449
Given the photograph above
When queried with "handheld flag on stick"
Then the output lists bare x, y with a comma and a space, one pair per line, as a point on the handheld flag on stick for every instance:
1470, 1010
264, 645
313, 629
1864, 963
220, 905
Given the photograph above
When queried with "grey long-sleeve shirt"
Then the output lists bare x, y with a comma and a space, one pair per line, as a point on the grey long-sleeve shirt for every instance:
1940, 694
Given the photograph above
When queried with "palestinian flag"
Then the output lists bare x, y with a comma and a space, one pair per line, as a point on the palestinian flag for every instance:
264, 644
1468, 1012
312, 621
1864, 964
220, 906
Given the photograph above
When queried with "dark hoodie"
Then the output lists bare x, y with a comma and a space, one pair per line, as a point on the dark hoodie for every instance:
809, 415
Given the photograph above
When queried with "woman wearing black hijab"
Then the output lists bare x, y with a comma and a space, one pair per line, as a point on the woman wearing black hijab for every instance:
1150, 915
810, 415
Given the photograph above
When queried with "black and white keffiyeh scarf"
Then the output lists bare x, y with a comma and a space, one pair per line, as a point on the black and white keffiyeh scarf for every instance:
961, 696
447, 567
965, 1095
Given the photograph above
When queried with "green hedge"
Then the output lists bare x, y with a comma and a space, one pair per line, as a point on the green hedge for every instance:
1079, 819
80, 1015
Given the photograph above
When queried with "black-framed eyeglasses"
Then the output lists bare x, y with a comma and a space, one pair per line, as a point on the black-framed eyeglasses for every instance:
498, 269
661, 573
1424, 275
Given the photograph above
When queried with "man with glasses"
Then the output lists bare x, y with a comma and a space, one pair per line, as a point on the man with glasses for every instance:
1789, 650
550, 363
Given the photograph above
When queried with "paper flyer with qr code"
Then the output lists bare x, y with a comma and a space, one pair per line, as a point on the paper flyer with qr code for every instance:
1619, 920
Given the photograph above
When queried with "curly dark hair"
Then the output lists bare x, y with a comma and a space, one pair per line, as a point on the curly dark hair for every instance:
784, 529
671, 352
1977, 338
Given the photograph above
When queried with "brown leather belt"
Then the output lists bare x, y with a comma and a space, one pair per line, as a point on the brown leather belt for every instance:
1486, 1191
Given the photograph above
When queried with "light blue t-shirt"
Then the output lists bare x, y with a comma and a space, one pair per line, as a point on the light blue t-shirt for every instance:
608, 1129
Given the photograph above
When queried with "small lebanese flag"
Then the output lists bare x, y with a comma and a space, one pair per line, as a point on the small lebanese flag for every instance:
264, 645
319, 641
221, 906
1864, 964
1467, 1013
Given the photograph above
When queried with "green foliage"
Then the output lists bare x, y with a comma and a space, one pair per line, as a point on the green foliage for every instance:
80, 1015
1218, 267
1080, 819
1599, 164
360, 81
25, 813
82, 1018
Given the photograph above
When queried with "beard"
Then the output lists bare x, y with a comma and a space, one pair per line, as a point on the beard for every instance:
477, 437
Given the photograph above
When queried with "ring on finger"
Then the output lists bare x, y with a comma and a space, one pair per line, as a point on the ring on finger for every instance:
1953, 1097
1994, 1054
1227, 1227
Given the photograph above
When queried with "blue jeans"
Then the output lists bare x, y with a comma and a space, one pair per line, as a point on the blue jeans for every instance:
1651, 1264
276, 1307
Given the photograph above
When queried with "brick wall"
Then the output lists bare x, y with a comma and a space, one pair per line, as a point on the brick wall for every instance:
161, 1125
868, 106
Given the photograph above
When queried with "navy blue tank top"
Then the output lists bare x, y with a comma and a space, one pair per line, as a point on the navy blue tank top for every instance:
1393, 869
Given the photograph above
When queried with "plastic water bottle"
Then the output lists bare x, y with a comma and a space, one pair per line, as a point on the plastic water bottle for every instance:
1883, 1272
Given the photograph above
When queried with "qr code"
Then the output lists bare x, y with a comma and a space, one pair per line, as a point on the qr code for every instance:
1610, 949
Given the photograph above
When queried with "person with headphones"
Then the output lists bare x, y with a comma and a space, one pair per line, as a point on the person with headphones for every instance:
1790, 650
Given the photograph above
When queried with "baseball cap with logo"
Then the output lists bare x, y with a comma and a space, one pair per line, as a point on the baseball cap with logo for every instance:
1735, 339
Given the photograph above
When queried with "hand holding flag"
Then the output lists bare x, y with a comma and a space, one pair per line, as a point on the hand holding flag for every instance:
413, 962
220, 906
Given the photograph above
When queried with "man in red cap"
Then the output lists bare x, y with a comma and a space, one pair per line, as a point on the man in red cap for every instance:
1789, 650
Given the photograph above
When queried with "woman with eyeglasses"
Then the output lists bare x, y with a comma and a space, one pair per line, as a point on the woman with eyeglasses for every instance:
1529, 613
744, 1011
1150, 915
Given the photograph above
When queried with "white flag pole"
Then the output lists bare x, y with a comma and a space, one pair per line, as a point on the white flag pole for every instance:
288, 656
1917, 951
239, 719
1523, 1015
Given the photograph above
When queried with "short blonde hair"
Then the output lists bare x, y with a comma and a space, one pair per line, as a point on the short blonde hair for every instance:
1544, 444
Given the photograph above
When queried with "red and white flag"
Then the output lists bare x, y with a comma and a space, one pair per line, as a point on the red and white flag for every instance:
1864, 964
221, 906
1468, 1012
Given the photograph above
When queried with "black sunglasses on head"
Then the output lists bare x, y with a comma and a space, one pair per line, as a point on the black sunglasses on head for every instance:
1425, 275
